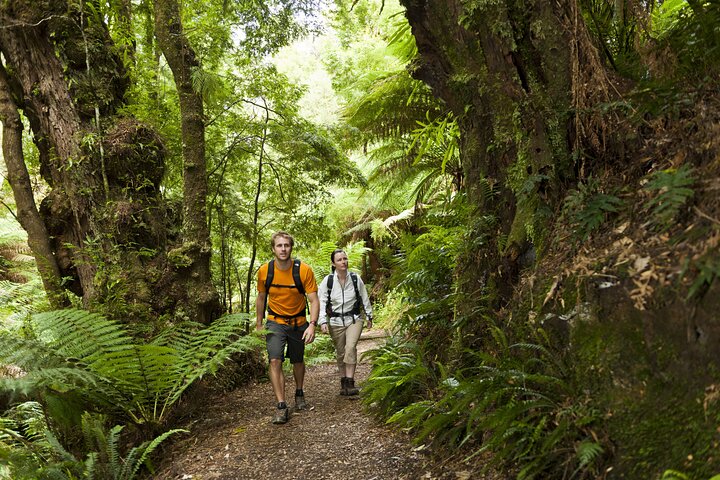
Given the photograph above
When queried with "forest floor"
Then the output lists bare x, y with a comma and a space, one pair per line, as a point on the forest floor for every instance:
233, 438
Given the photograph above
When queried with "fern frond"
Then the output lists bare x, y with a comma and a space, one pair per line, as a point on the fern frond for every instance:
113, 451
81, 334
95, 359
19, 300
588, 451
671, 190
140, 455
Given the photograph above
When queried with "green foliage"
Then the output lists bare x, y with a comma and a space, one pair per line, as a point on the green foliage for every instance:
30, 451
691, 30
320, 351
105, 460
320, 261
670, 190
81, 357
673, 475
586, 208
616, 33
429, 264
393, 308
400, 376
706, 269
665, 17
19, 300
515, 402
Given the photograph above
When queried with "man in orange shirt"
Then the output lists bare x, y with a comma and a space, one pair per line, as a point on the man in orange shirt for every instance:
284, 297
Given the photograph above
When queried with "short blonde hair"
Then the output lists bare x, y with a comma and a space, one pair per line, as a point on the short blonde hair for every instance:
280, 233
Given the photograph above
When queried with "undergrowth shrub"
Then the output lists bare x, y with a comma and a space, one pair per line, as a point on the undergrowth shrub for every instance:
321, 350
394, 309
428, 283
700, 271
517, 402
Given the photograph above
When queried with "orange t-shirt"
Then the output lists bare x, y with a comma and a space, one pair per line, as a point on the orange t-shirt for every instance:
283, 300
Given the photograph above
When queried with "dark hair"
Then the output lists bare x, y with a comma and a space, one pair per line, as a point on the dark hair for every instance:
332, 256
281, 234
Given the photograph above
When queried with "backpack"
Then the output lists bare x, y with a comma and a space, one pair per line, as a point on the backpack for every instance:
358, 301
298, 284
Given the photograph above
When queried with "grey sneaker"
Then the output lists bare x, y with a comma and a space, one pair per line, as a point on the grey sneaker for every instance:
300, 402
281, 416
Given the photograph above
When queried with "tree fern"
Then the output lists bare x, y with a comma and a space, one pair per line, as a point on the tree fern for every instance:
83, 354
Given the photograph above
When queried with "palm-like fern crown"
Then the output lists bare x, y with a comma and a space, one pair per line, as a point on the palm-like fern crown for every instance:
75, 352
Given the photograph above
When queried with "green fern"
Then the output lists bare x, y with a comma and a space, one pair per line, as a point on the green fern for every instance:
19, 300
515, 403
588, 452
83, 354
399, 377
708, 269
670, 190
29, 450
673, 475
106, 461
355, 252
586, 208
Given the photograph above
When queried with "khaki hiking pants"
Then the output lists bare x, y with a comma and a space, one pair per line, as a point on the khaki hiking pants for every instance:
345, 340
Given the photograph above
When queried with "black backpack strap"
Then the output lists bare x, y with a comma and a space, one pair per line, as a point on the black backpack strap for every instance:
328, 303
296, 276
358, 300
268, 281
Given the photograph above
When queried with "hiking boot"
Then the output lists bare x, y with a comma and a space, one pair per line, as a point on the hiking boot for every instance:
343, 386
350, 388
281, 416
300, 402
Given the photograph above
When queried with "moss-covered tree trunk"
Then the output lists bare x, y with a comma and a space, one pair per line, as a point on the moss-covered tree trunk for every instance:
19, 179
509, 72
110, 228
183, 63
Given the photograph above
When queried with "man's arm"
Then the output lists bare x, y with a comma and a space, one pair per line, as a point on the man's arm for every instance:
309, 334
260, 310
314, 306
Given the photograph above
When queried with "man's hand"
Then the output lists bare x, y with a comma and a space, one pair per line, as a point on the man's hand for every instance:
324, 328
259, 325
309, 334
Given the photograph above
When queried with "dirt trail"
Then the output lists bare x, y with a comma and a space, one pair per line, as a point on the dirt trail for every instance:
234, 439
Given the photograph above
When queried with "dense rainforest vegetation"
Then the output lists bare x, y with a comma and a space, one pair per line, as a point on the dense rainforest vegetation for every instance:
528, 186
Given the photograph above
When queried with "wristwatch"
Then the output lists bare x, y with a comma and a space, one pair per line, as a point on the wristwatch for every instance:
313, 323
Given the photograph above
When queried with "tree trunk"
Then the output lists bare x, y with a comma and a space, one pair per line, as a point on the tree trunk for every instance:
27, 212
55, 119
182, 61
107, 220
256, 211
509, 72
